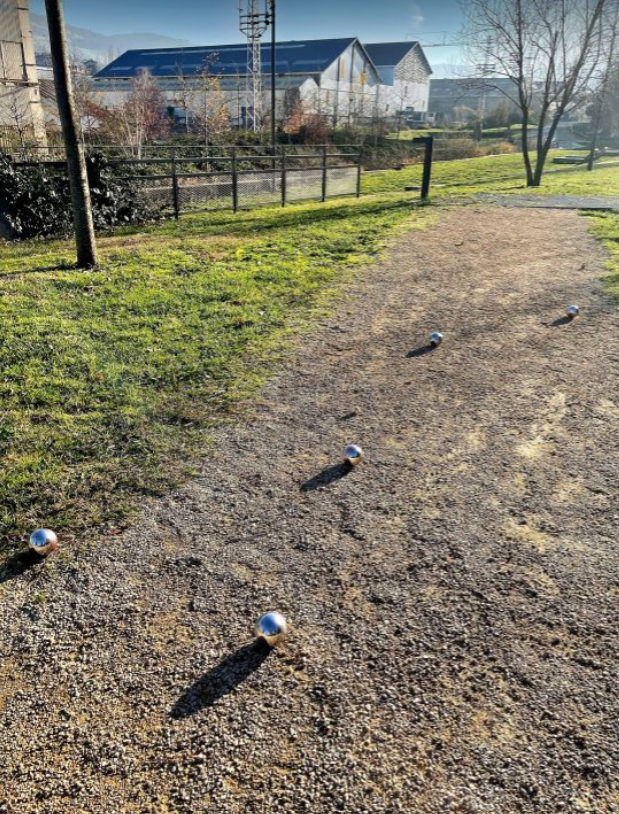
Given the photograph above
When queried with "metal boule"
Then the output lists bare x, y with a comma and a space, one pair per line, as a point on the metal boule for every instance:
435, 339
272, 627
353, 454
43, 541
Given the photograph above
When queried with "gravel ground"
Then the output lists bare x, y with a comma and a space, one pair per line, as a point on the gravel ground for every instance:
453, 599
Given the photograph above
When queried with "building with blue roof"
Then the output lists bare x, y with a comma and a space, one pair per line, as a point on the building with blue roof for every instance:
334, 78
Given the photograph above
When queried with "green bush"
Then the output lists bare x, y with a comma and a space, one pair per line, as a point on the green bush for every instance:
35, 199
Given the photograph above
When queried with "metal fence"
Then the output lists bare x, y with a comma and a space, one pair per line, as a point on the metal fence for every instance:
177, 181
184, 183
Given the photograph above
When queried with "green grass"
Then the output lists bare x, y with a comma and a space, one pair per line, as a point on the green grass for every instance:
446, 174
501, 173
111, 380
409, 135
605, 226
465, 132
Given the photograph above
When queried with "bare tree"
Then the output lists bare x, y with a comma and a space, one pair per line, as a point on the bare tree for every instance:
551, 51
183, 95
608, 77
607, 116
90, 113
87, 108
142, 116
210, 107
15, 114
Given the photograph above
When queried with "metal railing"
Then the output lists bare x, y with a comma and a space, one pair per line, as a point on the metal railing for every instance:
235, 178
194, 183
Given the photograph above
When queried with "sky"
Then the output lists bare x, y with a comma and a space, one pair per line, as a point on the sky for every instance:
203, 22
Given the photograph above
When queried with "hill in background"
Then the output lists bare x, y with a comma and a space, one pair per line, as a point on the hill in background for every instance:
88, 44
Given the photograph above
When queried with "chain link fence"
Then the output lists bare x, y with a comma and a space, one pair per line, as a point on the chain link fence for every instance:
183, 184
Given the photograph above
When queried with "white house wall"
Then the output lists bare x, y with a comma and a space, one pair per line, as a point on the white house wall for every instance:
407, 84
402, 95
349, 88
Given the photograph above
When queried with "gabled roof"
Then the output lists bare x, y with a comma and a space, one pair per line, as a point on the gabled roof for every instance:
293, 57
390, 54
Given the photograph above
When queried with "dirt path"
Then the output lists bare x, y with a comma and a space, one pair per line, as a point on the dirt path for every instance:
454, 599
592, 202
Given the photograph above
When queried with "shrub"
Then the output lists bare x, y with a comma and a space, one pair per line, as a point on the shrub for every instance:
35, 199
452, 149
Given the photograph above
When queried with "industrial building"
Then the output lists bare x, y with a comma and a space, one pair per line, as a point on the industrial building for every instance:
21, 113
457, 101
405, 73
334, 78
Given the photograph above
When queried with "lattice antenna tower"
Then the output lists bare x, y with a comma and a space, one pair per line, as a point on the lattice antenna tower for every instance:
254, 21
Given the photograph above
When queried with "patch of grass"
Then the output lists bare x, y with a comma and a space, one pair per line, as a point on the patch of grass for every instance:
110, 380
409, 135
605, 226
448, 174
604, 180
499, 173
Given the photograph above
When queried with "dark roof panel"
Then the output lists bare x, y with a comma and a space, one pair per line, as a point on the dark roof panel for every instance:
305, 56
390, 54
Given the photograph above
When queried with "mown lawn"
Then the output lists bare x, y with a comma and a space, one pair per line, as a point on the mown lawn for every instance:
605, 226
110, 380
501, 173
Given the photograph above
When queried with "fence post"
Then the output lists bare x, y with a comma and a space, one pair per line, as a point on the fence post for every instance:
175, 186
235, 182
324, 173
283, 176
427, 168
359, 173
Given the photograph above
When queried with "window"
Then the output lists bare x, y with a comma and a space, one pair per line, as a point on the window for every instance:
12, 63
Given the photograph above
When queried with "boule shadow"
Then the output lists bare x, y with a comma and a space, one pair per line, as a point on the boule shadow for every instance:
328, 476
222, 679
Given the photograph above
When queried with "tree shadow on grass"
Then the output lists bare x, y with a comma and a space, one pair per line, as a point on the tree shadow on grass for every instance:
17, 564
327, 477
38, 268
223, 679
415, 354
299, 217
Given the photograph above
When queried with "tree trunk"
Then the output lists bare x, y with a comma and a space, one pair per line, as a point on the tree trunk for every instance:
539, 167
544, 147
597, 125
76, 163
524, 135
593, 148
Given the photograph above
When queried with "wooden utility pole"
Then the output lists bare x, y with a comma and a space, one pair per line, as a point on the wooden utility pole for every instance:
76, 163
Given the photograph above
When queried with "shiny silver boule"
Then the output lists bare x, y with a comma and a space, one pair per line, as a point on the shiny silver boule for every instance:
43, 541
573, 311
272, 628
353, 454
435, 339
